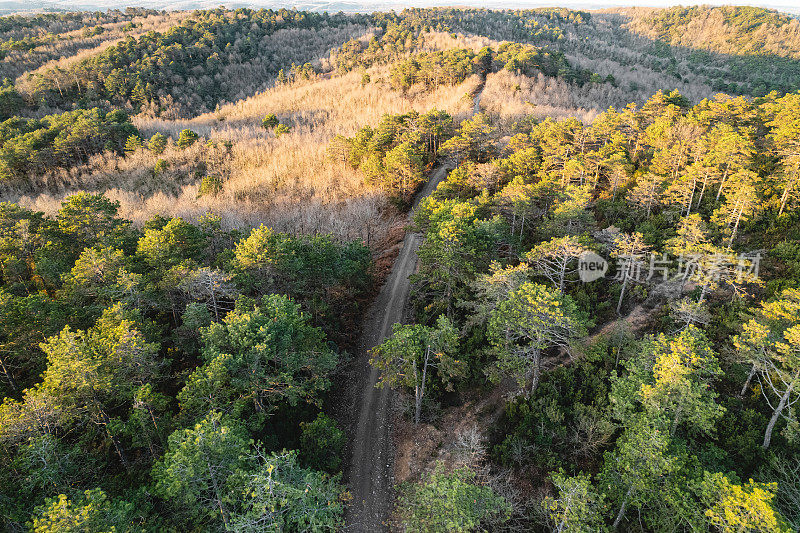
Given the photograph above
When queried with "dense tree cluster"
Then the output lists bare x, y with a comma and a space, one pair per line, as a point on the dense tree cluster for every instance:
761, 47
453, 66
536, 25
404, 34
183, 65
31, 146
138, 367
688, 422
432, 69
29, 41
397, 151
740, 28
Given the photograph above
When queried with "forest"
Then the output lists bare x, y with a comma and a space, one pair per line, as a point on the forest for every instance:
541, 268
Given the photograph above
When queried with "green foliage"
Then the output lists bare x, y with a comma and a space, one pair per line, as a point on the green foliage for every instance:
431, 69
322, 444
639, 467
160, 167
770, 344
91, 376
450, 502
532, 319
577, 508
157, 143
199, 466
260, 354
10, 100
270, 121
24, 321
473, 140
746, 507
396, 152
408, 358
171, 244
310, 268
281, 129
199, 51
132, 143
529, 60
564, 423
32, 146
211, 475
670, 378
88, 220
210, 186
47, 464
186, 138
113, 336
280, 495
91, 512
99, 279
459, 242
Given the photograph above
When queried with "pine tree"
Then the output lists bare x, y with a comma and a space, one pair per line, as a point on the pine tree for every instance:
186, 138
770, 343
409, 356
532, 319
133, 143
157, 143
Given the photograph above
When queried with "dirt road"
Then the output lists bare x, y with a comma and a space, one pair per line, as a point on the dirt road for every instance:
372, 454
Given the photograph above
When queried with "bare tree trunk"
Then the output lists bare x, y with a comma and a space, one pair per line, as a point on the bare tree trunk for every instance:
784, 197
703, 293
419, 390
9, 377
217, 494
691, 199
777, 413
702, 190
735, 227
747, 381
621, 513
721, 185
117, 445
622, 293
676, 420
537, 372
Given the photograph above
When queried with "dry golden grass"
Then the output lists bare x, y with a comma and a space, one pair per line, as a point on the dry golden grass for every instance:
509, 97
286, 182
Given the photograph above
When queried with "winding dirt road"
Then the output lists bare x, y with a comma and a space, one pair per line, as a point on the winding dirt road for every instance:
372, 454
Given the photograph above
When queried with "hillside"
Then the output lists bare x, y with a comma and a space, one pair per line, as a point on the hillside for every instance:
436, 270
730, 30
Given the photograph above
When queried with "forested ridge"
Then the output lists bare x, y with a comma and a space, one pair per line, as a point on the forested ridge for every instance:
198, 209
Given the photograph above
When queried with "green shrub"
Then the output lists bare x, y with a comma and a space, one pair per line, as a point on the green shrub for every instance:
132, 143
270, 121
186, 138
210, 185
321, 444
157, 143
160, 167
